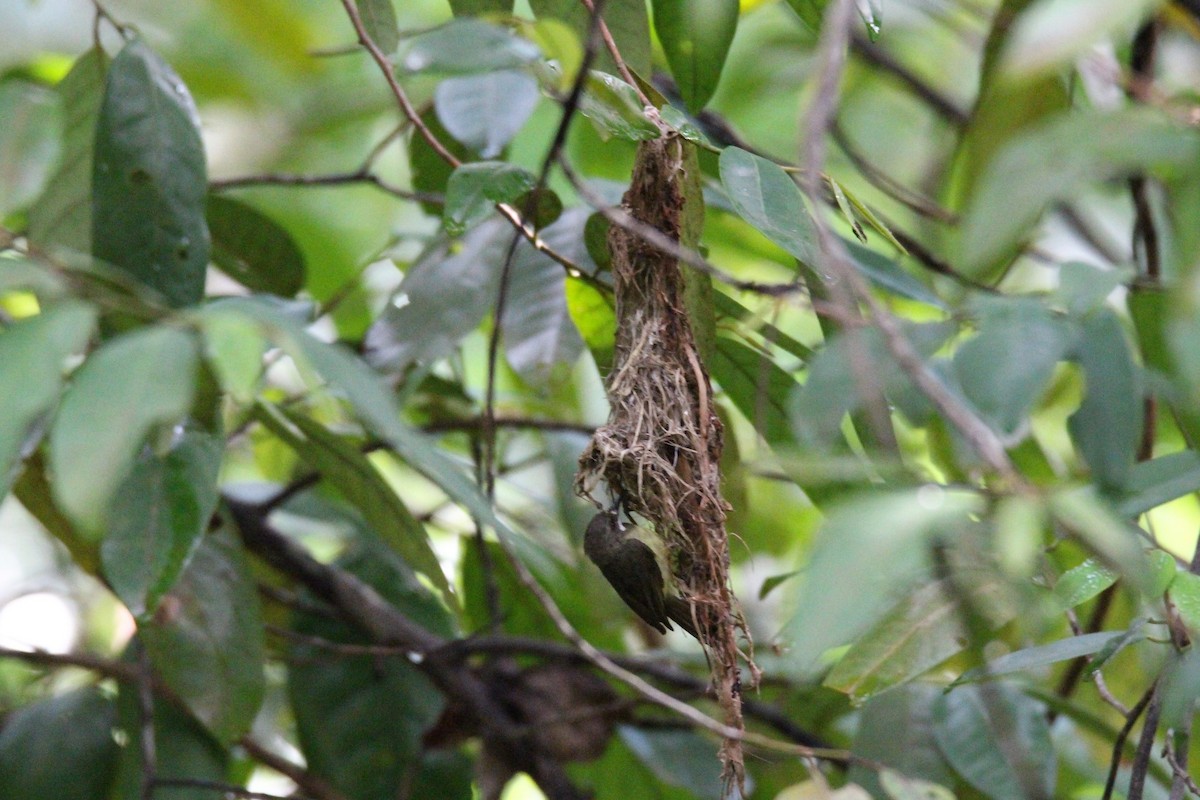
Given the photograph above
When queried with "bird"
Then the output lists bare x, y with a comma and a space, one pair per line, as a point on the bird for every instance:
632, 561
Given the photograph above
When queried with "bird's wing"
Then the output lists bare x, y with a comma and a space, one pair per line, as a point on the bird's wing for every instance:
640, 584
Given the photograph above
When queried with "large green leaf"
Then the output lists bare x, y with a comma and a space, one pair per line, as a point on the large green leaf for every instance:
1052, 160
541, 342
60, 748
677, 758
1005, 368
62, 215
159, 514
253, 249
127, 387
182, 749
615, 109
757, 386
766, 197
148, 179
343, 464
484, 112
1107, 428
29, 141
839, 595
998, 740
1159, 480
206, 639
361, 718
446, 295
695, 35
1083, 582
32, 356
922, 631
833, 387
1117, 543
1041, 656
896, 729
464, 46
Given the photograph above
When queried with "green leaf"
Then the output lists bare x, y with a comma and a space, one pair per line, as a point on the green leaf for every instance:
430, 171
206, 640
833, 605
1054, 32
695, 35
465, 46
446, 295
541, 342
757, 386
627, 22
810, 11
33, 352
677, 758
148, 179
477, 8
615, 109
887, 274
1048, 162
60, 748
832, 389
1117, 543
253, 249
998, 740
360, 718
29, 141
234, 348
125, 389
1180, 687
896, 729
1005, 368
159, 515
1185, 594
343, 464
596, 320
922, 631
1083, 582
766, 197
62, 215
1040, 656
474, 190
182, 749
1159, 481
379, 20
1107, 428
484, 112
1083, 288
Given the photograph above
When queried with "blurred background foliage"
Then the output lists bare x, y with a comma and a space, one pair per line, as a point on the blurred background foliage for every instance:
1016, 181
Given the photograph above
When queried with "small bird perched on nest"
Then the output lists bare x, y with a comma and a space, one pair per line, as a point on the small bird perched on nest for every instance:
634, 561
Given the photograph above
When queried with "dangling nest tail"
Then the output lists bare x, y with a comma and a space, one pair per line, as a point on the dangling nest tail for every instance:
661, 448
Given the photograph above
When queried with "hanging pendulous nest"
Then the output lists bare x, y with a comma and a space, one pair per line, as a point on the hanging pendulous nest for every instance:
661, 448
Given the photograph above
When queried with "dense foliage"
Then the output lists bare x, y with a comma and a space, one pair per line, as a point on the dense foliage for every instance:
309, 310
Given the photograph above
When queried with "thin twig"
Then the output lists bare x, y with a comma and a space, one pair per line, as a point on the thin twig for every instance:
1119, 743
